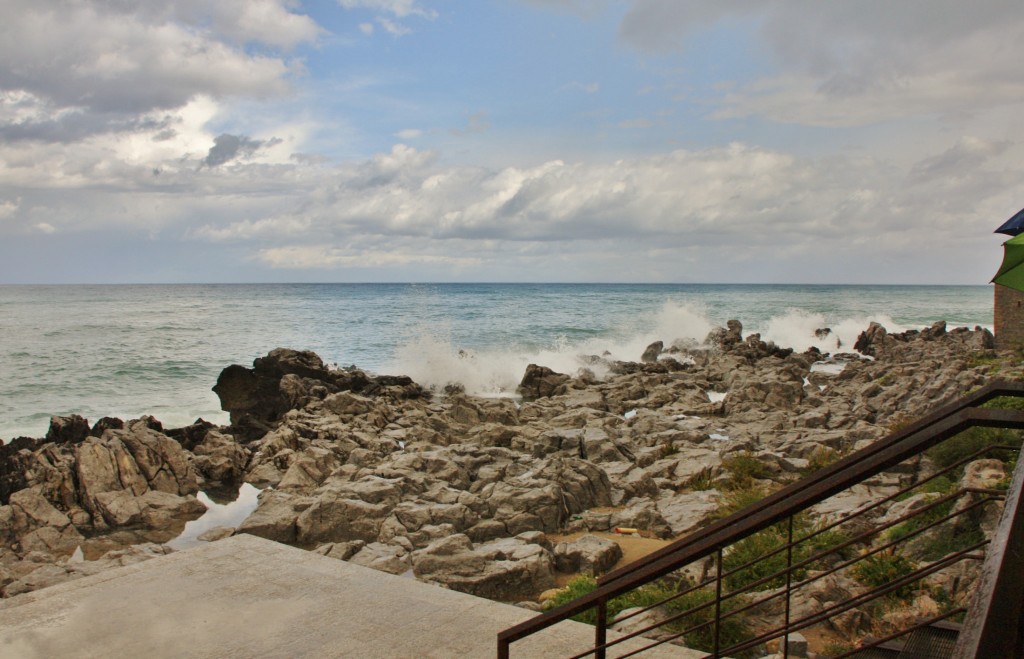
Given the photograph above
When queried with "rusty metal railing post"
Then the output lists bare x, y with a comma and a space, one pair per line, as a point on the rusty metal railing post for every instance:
994, 626
789, 588
718, 600
601, 629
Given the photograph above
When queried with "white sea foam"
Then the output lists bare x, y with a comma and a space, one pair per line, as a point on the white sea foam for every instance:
432, 360
796, 329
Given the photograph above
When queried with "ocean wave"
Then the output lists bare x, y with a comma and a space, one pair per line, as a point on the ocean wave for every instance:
433, 360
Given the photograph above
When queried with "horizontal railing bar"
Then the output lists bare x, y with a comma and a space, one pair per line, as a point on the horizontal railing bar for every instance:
858, 600
751, 605
994, 626
892, 637
848, 563
969, 401
799, 496
956, 465
931, 429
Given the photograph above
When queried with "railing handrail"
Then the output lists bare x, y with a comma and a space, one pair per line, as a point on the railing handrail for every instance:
994, 626
918, 436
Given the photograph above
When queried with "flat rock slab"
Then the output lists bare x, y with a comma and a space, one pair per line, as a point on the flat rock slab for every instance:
249, 597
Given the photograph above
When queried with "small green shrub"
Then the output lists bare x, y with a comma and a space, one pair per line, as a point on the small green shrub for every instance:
669, 449
732, 630
822, 457
702, 481
735, 500
575, 589
970, 442
744, 469
760, 546
938, 485
884, 568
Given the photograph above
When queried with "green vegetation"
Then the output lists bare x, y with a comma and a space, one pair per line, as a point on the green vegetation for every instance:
885, 568
733, 629
987, 359
970, 442
760, 546
744, 468
702, 481
734, 500
822, 457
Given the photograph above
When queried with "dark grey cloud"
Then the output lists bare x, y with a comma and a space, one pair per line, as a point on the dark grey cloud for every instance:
228, 147
70, 127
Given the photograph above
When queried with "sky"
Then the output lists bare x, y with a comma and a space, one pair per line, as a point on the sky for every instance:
706, 141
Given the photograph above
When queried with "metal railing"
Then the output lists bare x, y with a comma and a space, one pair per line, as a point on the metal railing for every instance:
799, 552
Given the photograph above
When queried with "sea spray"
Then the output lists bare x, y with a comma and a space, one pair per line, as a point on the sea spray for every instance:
433, 361
799, 329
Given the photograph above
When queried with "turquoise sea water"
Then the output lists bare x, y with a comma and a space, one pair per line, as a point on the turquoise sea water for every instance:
157, 349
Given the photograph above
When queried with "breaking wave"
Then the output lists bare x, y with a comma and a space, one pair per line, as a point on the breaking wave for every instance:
433, 360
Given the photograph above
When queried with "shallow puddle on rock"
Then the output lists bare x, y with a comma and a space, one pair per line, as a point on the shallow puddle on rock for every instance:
217, 514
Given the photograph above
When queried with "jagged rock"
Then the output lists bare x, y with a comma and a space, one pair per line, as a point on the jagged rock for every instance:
67, 429
387, 558
641, 514
154, 509
54, 573
685, 513
726, 337
589, 554
32, 522
220, 459
104, 424
652, 352
188, 436
540, 382
276, 515
506, 570
286, 379
216, 533
353, 511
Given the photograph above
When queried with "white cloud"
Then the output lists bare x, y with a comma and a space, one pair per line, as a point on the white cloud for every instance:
98, 67
305, 257
393, 28
409, 133
46, 227
694, 214
8, 207
387, 12
272, 227
399, 8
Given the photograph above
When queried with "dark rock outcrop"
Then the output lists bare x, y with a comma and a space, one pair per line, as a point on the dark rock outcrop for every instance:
540, 382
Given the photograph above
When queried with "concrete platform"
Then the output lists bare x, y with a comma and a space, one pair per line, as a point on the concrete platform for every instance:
250, 597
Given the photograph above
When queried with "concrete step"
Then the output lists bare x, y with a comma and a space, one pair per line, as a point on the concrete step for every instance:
249, 597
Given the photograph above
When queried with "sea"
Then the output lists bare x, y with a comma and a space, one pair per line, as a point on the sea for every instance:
131, 350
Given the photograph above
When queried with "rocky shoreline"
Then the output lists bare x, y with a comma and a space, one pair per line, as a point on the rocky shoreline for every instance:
461, 490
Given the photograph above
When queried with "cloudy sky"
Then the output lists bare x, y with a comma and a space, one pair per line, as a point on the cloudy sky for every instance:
509, 140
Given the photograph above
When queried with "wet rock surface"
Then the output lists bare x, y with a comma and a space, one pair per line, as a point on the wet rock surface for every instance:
461, 490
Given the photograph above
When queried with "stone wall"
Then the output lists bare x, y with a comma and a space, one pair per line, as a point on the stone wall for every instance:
1008, 317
